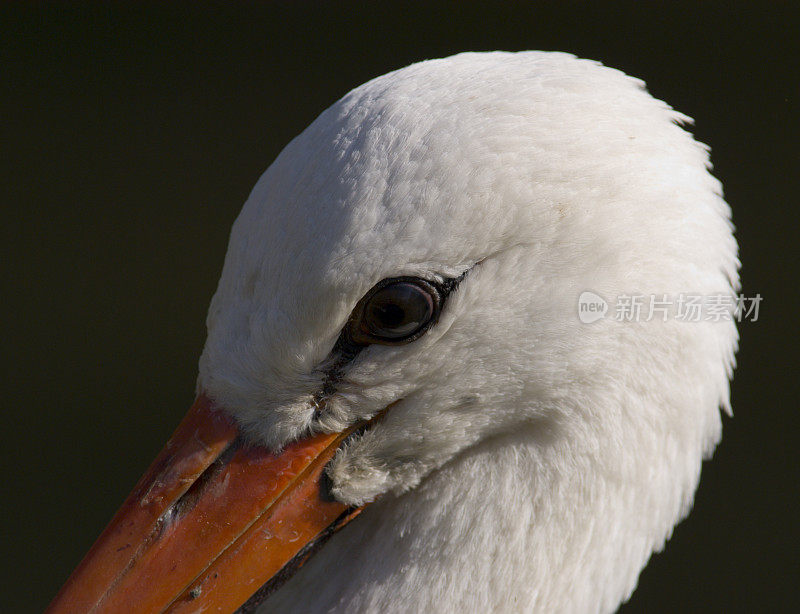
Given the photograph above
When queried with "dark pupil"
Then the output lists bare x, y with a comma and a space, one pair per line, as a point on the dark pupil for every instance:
390, 316
398, 310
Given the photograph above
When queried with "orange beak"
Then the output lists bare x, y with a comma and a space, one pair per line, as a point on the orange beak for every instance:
212, 526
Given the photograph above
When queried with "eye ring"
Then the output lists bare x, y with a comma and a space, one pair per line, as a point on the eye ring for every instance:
398, 310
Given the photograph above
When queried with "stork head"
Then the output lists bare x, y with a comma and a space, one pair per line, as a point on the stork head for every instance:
412, 264
517, 181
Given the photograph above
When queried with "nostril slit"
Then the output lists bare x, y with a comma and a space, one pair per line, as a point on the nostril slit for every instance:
189, 499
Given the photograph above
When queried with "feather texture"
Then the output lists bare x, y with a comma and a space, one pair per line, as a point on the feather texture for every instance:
533, 462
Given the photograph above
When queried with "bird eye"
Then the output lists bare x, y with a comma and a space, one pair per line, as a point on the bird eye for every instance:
396, 311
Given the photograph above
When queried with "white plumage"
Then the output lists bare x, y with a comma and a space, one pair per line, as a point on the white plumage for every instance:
533, 463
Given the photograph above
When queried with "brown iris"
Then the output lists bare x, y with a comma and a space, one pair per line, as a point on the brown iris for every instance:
396, 311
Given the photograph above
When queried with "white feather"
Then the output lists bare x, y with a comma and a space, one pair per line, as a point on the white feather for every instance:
533, 462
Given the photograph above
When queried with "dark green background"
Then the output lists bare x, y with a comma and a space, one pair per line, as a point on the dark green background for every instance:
131, 136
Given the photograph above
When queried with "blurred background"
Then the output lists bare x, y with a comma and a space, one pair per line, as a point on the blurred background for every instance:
132, 135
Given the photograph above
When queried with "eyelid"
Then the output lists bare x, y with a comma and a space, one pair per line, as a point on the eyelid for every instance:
359, 336
346, 348
350, 343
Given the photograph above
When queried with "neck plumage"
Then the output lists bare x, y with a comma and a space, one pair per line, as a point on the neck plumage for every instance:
527, 522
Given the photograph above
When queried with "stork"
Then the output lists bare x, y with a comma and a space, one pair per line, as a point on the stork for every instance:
395, 341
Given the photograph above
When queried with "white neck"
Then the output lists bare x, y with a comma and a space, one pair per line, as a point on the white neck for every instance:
526, 522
